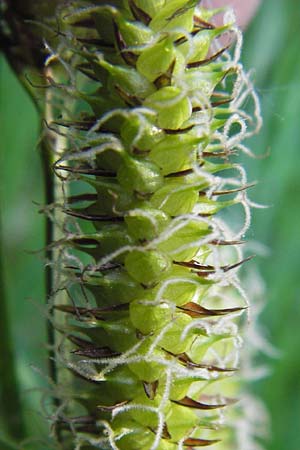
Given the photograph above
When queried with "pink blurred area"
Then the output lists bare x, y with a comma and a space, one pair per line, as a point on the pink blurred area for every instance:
244, 9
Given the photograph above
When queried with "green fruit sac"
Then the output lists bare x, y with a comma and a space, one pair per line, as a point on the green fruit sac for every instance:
142, 177
171, 106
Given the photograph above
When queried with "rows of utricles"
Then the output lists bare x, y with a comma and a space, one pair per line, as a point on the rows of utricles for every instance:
152, 113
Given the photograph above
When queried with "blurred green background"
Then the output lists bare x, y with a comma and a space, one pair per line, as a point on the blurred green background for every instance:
272, 49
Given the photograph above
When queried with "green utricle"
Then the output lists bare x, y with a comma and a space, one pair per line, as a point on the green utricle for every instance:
146, 107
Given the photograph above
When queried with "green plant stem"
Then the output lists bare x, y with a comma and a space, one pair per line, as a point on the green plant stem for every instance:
49, 198
53, 194
10, 401
50, 188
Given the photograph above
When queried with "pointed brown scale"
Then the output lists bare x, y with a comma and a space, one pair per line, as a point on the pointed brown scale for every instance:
95, 312
181, 173
182, 10
76, 310
94, 217
195, 64
179, 131
213, 368
227, 400
190, 403
232, 191
137, 151
207, 269
225, 101
186, 360
194, 442
197, 109
195, 310
138, 13
220, 94
106, 267
82, 343
129, 57
87, 71
86, 171
221, 242
213, 104
85, 241
203, 24
166, 78
96, 352
150, 389
239, 263
165, 432
102, 268
205, 273
224, 154
82, 376
86, 348
194, 265
183, 39
113, 308
82, 125
199, 215
84, 23
83, 198
129, 99
110, 408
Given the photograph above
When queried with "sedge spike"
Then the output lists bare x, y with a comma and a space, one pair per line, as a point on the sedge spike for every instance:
146, 109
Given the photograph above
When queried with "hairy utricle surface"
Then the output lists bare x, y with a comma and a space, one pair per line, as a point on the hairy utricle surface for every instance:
147, 110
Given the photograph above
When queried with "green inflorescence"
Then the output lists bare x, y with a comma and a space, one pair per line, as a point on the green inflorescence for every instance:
148, 109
